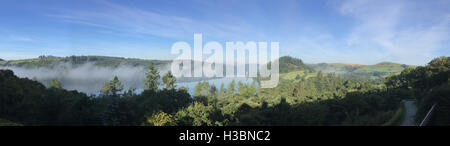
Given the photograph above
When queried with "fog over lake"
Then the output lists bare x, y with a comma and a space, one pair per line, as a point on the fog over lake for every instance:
89, 78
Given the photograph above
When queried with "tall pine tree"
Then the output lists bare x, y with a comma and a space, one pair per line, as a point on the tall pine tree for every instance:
152, 77
169, 80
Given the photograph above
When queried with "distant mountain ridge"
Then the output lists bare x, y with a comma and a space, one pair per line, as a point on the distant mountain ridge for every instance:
286, 64
103, 61
380, 69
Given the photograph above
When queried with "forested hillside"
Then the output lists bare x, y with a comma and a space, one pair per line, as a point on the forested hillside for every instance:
288, 64
101, 61
310, 98
430, 85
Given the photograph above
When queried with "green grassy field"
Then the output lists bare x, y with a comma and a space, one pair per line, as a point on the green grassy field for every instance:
376, 71
15, 62
292, 75
384, 67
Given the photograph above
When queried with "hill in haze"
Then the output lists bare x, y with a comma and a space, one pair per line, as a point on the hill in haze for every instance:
84, 73
88, 73
101, 61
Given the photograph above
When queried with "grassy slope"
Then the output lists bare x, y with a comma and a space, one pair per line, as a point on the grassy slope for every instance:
291, 75
288, 64
384, 67
371, 71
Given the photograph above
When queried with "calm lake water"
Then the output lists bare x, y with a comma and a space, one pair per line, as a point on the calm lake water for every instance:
90, 79
215, 82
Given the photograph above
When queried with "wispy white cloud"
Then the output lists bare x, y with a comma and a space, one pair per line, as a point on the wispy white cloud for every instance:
404, 31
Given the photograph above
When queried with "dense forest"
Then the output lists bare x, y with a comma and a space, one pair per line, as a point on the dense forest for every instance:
304, 96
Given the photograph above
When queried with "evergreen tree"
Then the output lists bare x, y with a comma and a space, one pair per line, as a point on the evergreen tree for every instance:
231, 88
112, 87
205, 88
169, 80
198, 89
152, 77
112, 115
213, 91
222, 91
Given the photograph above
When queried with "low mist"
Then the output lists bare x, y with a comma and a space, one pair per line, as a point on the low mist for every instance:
86, 78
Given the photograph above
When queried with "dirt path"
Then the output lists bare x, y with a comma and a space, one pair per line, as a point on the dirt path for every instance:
411, 110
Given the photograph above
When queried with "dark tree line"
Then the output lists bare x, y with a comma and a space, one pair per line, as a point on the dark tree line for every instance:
430, 85
325, 99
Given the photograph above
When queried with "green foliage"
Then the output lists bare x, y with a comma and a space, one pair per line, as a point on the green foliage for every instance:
161, 119
202, 88
196, 114
383, 67
168, 80
112, 87
222, 91
430, 85
246, 90
112, 116
29, 102
152, 77
297, 77
377, 71
397, 117
288, 64
213, 91
303, 97
231, 88
2, 62
54, 83
8, 123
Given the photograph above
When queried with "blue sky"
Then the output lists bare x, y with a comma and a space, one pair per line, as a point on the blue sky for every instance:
352, 31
